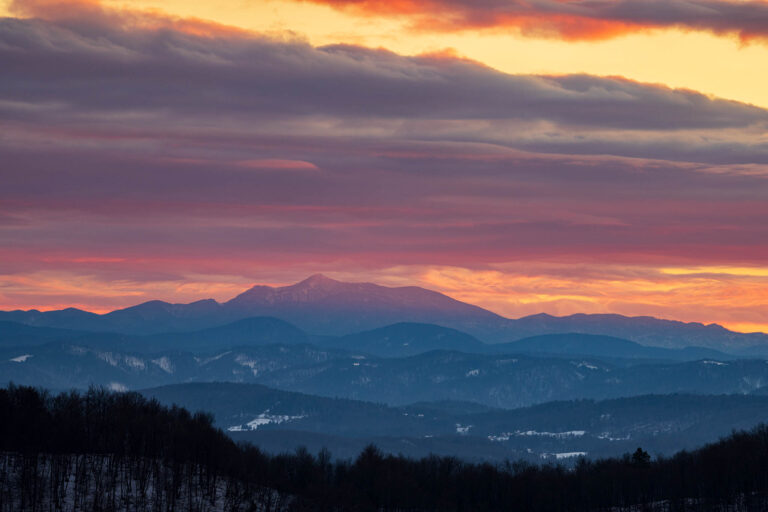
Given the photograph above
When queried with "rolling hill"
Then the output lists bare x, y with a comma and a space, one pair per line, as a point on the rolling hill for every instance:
595, 345
275, 419
407, 339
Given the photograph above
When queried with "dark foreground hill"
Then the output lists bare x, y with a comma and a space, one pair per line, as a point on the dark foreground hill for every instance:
105, 451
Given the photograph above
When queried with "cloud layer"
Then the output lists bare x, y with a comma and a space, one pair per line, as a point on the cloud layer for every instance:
49, 65
574, 19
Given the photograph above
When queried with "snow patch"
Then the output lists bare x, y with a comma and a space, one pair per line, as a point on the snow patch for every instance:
568, 455
164, 363
608, 437
109, 357
534, 433
753, 384
21, 359
584, 364
214, 358
243, 360
562, 455
135, 362
117, 386
558, 435
264, 419
462, 429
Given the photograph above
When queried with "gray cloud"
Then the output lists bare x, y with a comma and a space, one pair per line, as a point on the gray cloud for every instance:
78, 70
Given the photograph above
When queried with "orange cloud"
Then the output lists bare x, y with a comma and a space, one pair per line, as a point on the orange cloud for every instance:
570, 19
278, 164
541, 25
128, 19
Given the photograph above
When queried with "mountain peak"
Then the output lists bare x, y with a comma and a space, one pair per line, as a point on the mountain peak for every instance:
316, 280
321, 304
315, 287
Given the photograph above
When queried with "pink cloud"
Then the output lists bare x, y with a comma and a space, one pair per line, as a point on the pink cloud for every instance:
278, 164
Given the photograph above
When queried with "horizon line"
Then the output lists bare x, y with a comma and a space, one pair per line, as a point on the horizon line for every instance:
86, 309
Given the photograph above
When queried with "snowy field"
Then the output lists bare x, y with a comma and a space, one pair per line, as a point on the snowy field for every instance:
72, 483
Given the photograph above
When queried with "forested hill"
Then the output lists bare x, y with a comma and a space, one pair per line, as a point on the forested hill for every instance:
112, 451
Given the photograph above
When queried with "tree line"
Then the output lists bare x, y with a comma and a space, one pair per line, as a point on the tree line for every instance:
99, 450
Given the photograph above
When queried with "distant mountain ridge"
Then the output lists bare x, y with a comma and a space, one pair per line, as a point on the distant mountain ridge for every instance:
500, 380
645, 330
597, 345
323, 306
274, 419
408, 339
254, 331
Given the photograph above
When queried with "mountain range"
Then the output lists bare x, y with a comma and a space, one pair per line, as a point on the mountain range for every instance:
278, 421
326, 307
501, 375
331, 364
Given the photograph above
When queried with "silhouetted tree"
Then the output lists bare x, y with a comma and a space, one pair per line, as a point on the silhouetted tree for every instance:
119, 451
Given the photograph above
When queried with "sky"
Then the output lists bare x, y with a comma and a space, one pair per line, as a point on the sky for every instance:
558, 156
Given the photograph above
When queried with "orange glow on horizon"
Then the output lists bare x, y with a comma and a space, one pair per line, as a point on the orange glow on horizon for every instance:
736, 301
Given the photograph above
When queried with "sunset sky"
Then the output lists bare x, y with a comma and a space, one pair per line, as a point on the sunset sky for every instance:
559, 156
